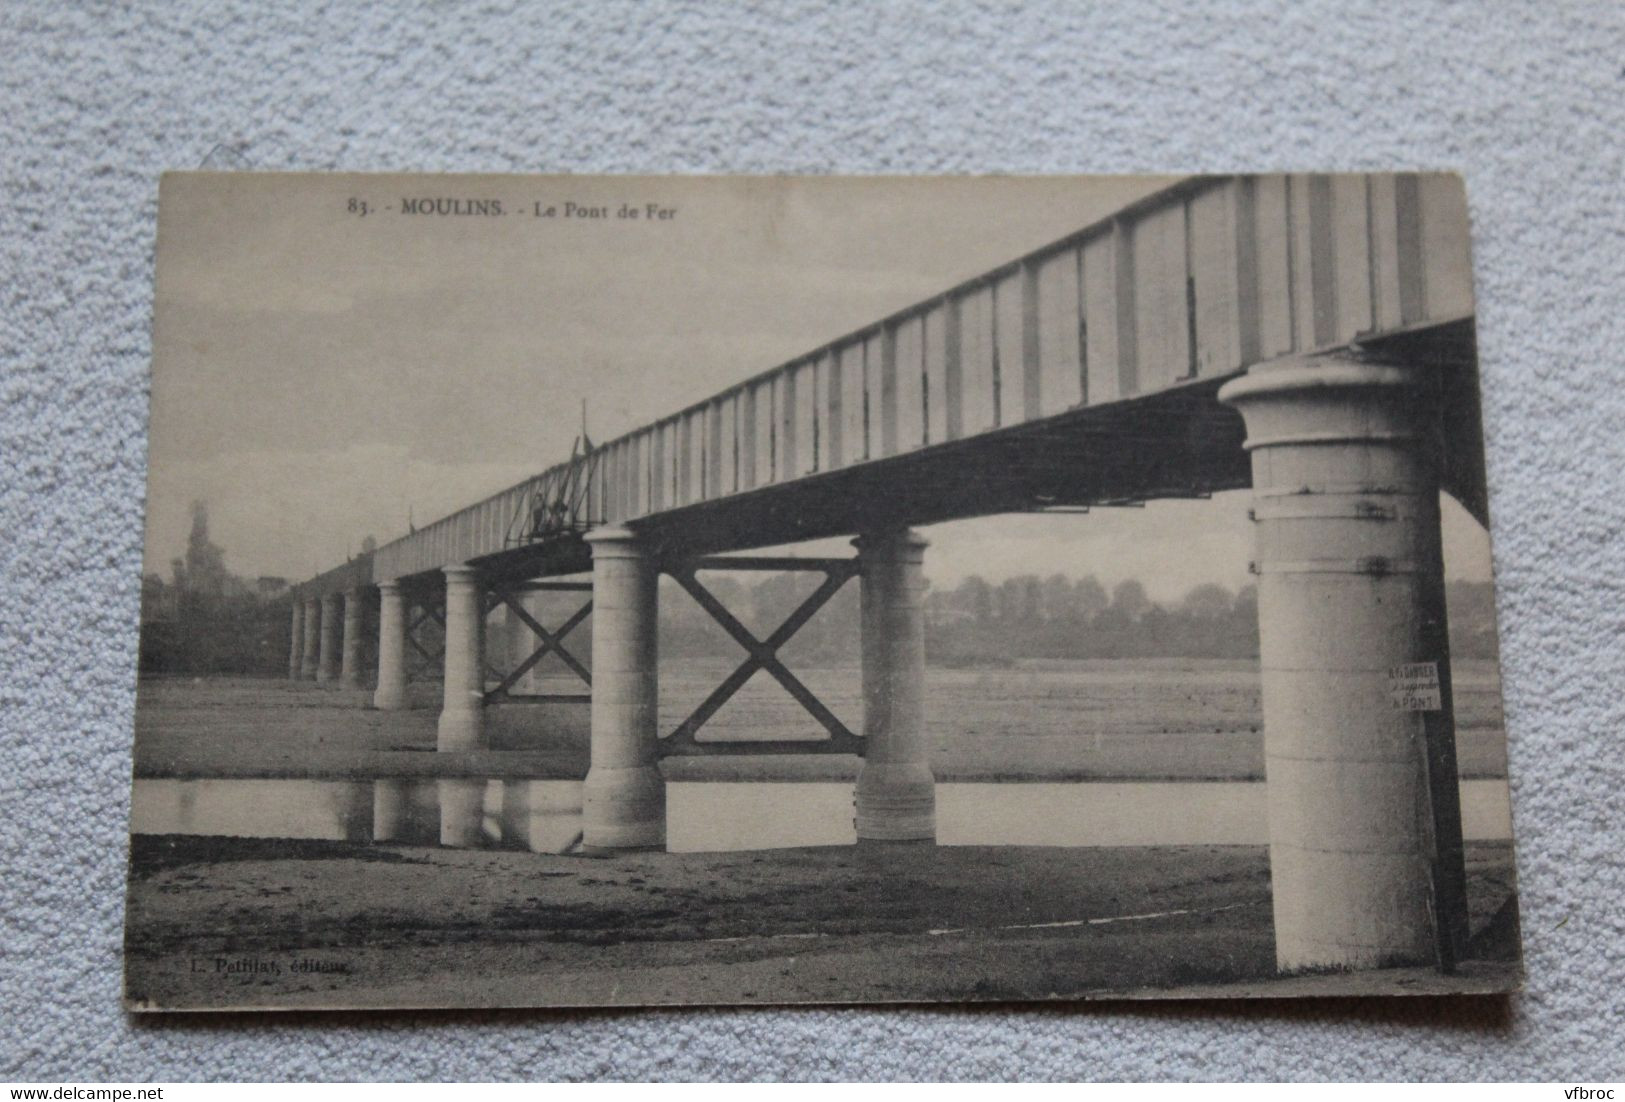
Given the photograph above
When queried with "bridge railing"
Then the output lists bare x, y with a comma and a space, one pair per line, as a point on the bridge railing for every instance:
483, 528
1197, 281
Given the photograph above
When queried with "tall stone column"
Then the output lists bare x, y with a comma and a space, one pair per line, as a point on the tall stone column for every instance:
328, 660
313, 639
1364, 820
350, 673
296, 640
624, 798
462, 713
896, 793
390, 695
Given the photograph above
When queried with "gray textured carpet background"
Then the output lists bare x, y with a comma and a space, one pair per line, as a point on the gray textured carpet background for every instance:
1527, 99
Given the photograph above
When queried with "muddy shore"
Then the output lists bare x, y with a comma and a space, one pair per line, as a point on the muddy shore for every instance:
226, 923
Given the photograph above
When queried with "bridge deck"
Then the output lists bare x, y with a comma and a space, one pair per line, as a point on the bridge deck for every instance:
1080, 373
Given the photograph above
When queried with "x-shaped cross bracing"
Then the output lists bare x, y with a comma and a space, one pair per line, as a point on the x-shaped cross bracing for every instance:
426, 610
762, 654
552, 642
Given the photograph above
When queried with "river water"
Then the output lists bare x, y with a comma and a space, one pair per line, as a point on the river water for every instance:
545, 816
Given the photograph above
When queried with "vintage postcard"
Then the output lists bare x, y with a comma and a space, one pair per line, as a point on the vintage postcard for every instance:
589, 591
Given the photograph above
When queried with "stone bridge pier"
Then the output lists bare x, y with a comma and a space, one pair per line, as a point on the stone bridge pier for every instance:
328, 658
312, 639
624, 799
390, 695
296, 640
351, 673
1364, 818
462, 710
896, 791
312, 643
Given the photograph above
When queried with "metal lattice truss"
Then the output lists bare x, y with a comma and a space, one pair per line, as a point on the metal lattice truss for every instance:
551, 642
763, 655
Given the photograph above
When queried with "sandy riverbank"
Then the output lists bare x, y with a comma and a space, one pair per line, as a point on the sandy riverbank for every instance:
240, 923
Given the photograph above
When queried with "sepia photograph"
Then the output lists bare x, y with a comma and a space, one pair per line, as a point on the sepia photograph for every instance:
679, 590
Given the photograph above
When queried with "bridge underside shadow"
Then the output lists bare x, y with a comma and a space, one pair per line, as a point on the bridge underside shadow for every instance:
1173, 444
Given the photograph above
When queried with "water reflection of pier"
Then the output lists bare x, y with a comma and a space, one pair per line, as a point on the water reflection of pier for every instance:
544, 816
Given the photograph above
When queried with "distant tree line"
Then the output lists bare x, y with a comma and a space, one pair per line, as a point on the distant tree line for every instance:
982, 623
204, 619
1061, 617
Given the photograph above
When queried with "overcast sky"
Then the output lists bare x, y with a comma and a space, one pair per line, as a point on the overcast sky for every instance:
319, 375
